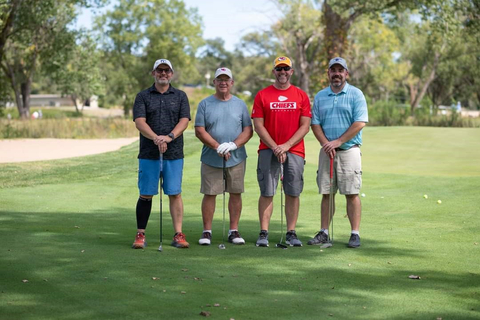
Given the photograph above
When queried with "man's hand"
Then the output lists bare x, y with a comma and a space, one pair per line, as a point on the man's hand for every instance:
162, 147
330, 146
226, 147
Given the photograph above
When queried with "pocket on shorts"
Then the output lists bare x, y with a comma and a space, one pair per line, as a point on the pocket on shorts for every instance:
357, 179
260, 175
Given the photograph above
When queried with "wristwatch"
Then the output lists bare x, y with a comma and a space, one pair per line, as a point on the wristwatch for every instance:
171, 136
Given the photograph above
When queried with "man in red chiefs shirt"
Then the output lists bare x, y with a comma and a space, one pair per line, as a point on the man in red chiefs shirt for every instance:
281, 116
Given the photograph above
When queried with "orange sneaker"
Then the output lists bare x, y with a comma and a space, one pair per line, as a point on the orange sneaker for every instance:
179, 241
139, 242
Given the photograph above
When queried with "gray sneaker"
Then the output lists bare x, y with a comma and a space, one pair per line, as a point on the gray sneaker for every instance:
292, 239
262, 239
354, 241
320, 238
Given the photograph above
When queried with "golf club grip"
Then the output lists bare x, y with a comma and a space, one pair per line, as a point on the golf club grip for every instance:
331, 168
224, 175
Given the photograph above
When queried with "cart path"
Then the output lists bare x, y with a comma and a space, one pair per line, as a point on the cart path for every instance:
22, 150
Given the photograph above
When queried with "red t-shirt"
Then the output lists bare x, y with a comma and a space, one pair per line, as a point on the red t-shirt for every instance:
281, 111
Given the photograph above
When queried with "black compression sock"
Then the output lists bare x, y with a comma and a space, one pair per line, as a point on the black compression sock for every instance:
144, 207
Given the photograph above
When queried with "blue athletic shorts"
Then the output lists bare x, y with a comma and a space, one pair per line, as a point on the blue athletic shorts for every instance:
149, 175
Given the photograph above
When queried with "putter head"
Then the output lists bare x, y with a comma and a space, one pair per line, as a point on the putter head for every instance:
160, 249
280, 245
221, 246
326, 245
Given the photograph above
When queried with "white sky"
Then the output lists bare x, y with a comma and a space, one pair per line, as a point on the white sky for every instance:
226, 19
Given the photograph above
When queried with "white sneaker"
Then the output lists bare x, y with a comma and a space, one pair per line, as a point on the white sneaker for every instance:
206, 239
235, 238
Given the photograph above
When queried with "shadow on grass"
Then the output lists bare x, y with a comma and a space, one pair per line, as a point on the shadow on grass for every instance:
80, 265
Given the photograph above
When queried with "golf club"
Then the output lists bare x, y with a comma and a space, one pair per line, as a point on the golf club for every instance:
280, 244
330, 210
161, 213
222, 245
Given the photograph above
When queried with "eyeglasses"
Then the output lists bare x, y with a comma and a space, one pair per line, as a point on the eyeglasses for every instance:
278, 69
159, 70
223, 80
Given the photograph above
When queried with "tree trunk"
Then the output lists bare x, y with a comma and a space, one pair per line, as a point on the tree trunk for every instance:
336, 31
10, 73
304, 74
74, 100
426, 83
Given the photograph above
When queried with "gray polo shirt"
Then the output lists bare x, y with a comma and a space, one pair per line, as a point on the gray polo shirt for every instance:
224, 121
162, 113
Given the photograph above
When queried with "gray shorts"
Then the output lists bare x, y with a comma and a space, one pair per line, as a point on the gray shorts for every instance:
347, 172
212, 179
268, 173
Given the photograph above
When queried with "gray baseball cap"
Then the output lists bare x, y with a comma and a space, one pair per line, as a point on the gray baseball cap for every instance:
339, 61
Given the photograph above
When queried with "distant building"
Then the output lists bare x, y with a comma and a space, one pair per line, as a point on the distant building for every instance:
56, 100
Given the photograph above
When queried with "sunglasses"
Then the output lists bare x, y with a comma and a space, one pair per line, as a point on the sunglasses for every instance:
278, 69
159, 70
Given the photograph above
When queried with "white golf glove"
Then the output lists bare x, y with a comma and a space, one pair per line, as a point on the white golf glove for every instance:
226, 147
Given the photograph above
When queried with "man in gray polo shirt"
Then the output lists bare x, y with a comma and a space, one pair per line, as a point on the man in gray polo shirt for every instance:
223, 125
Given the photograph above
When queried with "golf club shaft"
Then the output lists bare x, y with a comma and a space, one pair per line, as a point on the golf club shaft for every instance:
281, 202
161, 203
224, 188
331, 202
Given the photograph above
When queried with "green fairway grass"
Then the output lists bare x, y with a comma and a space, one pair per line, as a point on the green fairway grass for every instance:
67, 227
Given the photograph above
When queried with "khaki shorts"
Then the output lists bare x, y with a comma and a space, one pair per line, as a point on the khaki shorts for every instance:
212, 179
347, 172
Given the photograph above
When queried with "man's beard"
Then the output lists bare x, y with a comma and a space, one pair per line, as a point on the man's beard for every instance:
336, 84
162, 81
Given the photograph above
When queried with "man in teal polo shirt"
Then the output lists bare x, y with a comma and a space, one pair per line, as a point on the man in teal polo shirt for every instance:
339, 115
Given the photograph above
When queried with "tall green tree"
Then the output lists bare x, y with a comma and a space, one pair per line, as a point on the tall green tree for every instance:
300, 35
430, 46
339, 16
40, 33
34, 33
136, 33
81, 77
371, 61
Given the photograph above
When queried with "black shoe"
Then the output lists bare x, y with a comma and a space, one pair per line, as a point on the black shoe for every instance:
292, 239
354, 241
320, 238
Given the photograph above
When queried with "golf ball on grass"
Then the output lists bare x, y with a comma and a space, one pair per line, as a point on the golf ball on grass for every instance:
439, 201
363, 195
425, 196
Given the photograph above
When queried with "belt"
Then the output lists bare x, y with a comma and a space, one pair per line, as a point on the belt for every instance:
354, 146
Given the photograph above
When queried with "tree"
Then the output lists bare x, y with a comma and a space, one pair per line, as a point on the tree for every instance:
300, 36
136, 33
213, 56
339, 16
429, 47
39, 34
253, 61
8, 13
370, 58
81, 77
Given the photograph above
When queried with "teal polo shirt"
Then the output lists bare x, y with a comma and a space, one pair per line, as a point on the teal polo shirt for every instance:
336, 112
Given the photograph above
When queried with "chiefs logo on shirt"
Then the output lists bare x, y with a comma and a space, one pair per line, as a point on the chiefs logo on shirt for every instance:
281, 104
